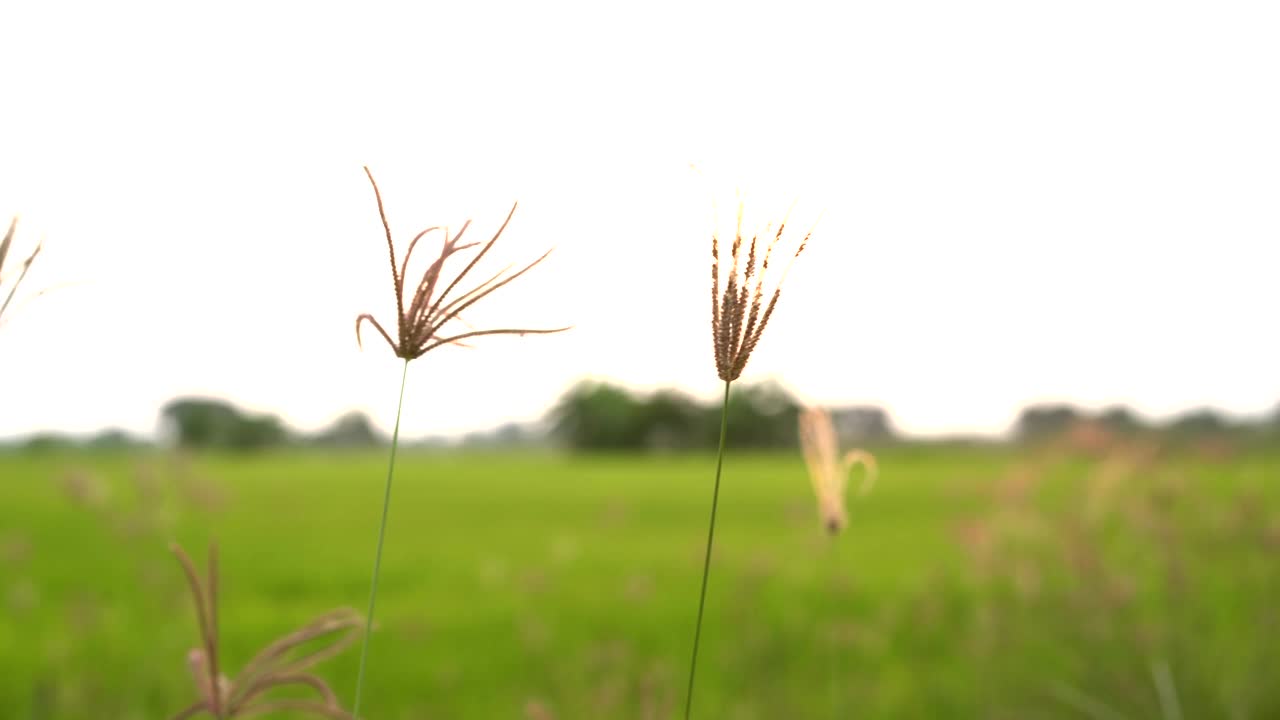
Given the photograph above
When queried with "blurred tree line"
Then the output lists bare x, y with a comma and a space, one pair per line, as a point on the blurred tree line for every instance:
197, 422
210, 423
589, 416
595, 416
1042, 422
602, 416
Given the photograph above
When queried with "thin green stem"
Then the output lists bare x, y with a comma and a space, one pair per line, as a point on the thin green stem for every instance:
377, 558
706, 562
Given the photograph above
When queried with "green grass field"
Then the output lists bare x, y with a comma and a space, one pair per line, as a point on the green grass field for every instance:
556, 586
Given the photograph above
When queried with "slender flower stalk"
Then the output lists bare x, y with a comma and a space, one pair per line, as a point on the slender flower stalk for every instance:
739, 314
421, 327
706, 561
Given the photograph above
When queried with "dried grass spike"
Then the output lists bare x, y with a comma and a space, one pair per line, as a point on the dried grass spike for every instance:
738, 311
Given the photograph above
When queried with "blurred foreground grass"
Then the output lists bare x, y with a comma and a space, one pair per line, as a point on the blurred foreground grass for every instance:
970, 583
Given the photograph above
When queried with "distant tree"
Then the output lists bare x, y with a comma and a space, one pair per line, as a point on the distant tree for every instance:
762, 415
215, 424
1199, 422
258, 432
197, 422
48, 442
597, 416
1037, 422
351, 430
670, 420
1120, 419
600, 416
506, 435
862, 424
115, 439
511, 433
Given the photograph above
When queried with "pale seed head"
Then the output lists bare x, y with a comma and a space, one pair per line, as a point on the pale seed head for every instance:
22, 273
828, 472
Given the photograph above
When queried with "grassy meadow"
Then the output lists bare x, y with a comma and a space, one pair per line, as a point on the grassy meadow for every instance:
972, 582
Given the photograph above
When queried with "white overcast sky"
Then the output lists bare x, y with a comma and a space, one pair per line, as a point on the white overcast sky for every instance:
1023, 201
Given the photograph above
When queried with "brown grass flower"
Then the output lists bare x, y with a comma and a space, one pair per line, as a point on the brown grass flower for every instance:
26, 265
739, 314
829, 472
279, 664
421, 324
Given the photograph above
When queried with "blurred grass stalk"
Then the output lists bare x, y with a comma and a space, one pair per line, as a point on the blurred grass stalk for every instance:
26, 265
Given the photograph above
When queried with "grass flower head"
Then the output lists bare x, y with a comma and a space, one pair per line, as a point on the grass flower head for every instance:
738, 311
421, 324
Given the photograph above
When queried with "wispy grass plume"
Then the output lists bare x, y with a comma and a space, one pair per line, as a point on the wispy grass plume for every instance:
282, 663
739, 313
828, 471
26, 265
421, 327
829, 475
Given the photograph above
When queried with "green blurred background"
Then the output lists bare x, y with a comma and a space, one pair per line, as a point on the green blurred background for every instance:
1085, 567
1018, 202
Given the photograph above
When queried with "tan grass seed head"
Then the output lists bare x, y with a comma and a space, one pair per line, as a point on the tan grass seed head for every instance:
739, 311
